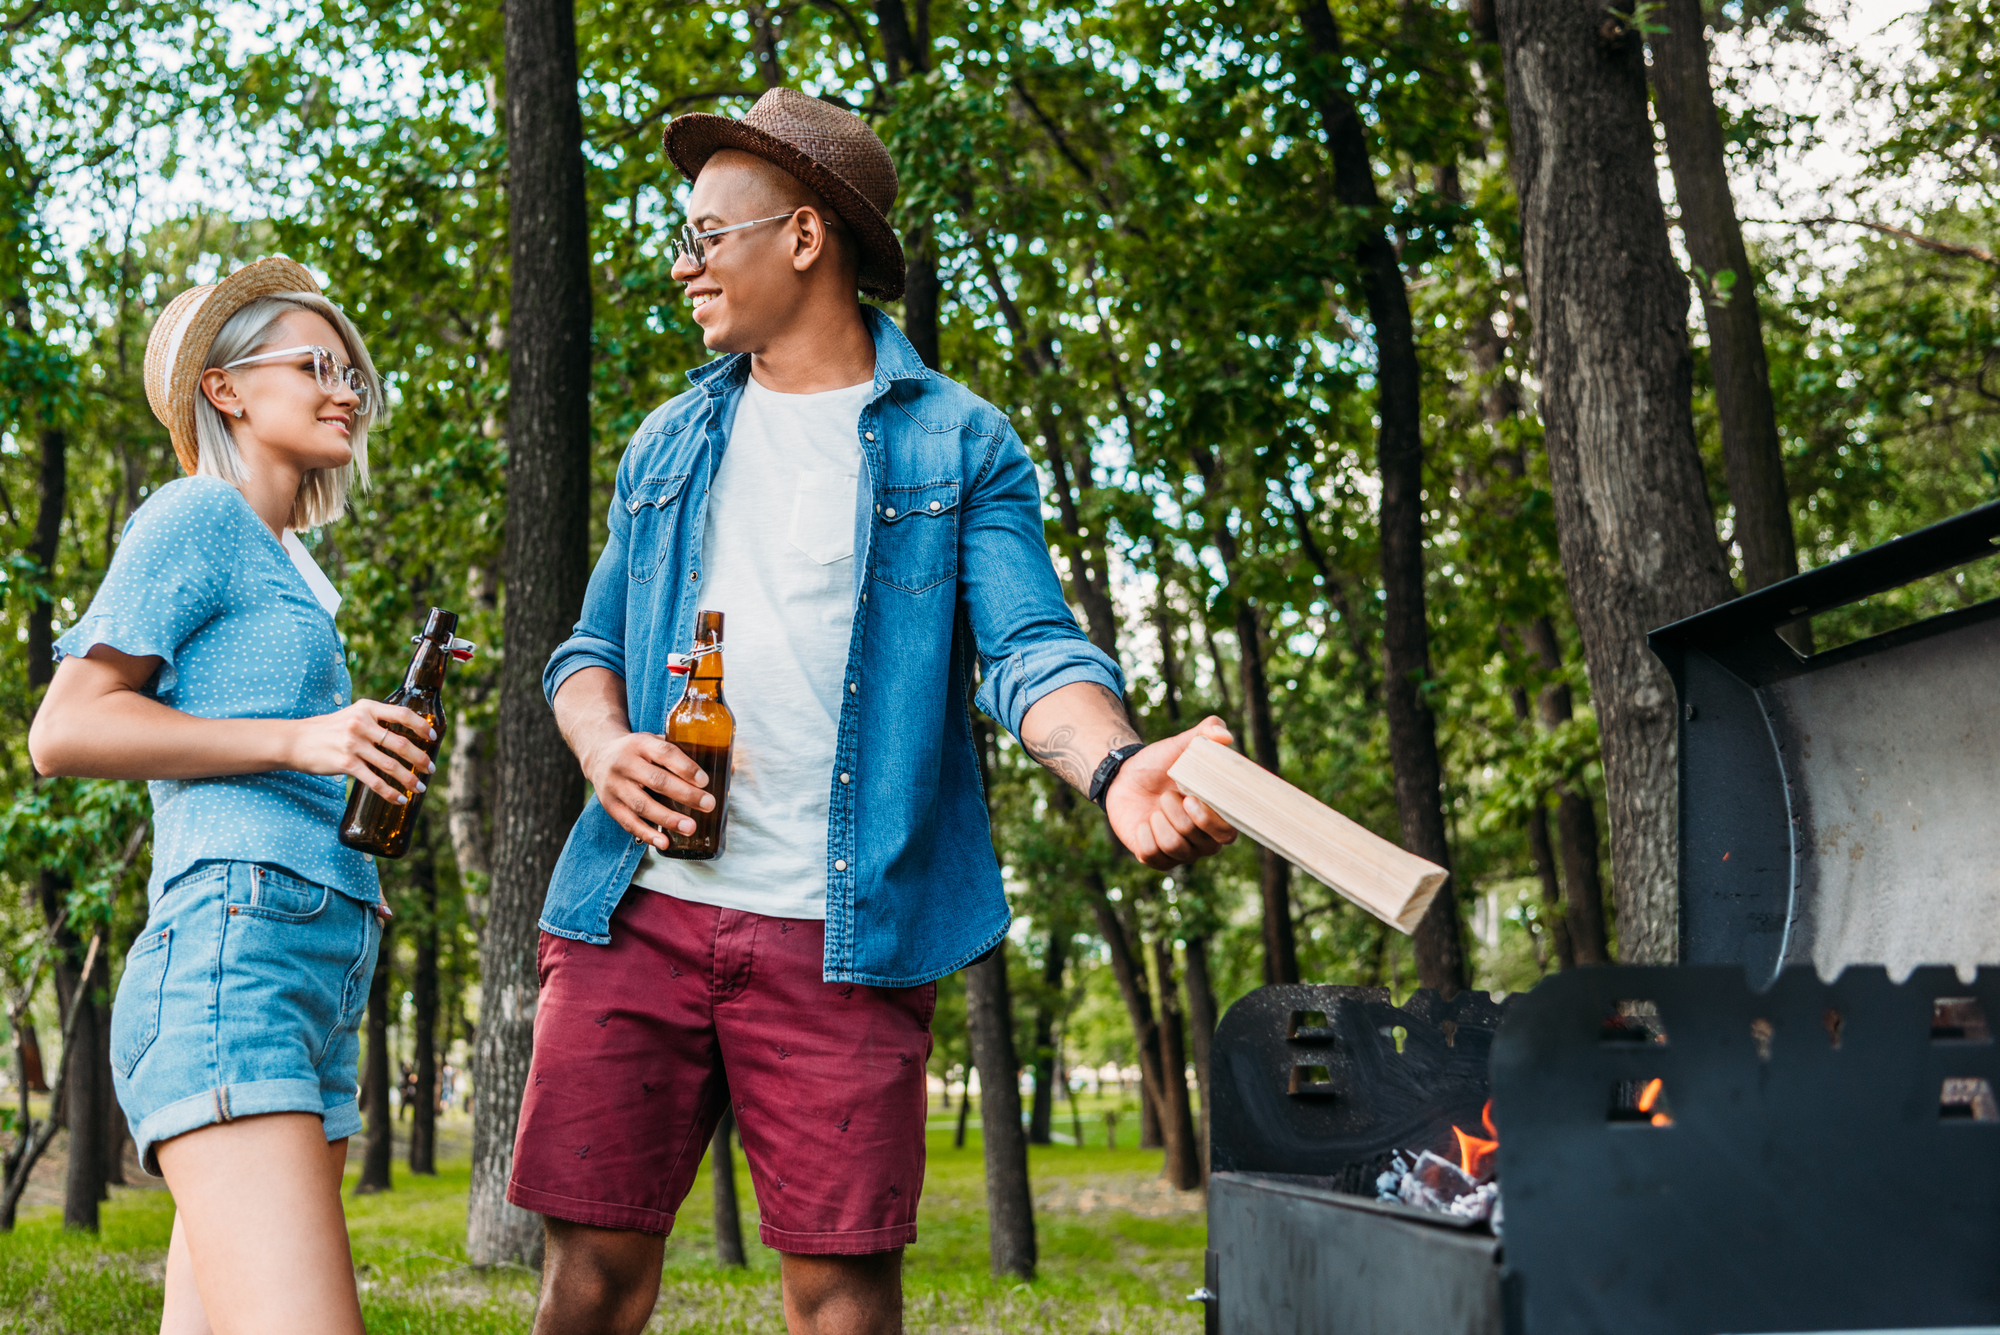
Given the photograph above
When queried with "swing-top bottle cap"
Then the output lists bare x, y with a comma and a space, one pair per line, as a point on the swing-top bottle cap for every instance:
678, 664
439, 628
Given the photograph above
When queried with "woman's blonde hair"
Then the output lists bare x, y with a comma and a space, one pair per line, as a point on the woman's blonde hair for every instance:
323, 491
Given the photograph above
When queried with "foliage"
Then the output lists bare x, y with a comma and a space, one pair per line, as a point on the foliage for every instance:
1129, 207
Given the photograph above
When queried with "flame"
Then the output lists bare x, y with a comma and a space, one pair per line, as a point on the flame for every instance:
1651, 1095
1475, 1154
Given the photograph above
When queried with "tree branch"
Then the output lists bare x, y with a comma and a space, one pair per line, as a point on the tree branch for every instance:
1900, 233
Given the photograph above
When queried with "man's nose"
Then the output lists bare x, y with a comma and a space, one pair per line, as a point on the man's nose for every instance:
685, 269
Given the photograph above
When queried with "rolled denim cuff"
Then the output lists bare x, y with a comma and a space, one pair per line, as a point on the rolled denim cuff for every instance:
1013, 684
575, 654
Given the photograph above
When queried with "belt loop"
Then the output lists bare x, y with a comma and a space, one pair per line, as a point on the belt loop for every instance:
256, 885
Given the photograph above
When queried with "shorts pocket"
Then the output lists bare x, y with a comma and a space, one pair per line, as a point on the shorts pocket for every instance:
823, 516
135, 1015
355, 985
282, 898
916, 536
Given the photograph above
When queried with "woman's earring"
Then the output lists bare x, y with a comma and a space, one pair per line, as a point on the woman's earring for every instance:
239, 412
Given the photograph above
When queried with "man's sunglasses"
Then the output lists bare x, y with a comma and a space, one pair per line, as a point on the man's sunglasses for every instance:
694, 245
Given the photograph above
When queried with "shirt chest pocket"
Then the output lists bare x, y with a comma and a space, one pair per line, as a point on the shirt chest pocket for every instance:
823, 516
654, 506
916, 536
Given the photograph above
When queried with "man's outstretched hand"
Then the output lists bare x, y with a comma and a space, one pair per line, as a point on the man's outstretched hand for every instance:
1072, 728
1164, 827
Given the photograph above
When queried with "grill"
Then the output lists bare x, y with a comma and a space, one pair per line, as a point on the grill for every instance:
1808, 1155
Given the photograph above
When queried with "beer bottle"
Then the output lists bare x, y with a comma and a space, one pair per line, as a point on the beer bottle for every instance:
373, 824
702, 726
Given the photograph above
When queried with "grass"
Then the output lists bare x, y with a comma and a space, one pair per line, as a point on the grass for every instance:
1118, 1254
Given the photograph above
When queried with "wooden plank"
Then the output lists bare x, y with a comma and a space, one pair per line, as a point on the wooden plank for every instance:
1390, 882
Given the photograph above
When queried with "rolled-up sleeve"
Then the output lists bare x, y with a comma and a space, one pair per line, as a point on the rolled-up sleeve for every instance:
1028, 640
599, 637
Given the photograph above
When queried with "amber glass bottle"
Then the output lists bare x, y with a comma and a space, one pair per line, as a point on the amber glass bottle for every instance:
702, 726
372, 824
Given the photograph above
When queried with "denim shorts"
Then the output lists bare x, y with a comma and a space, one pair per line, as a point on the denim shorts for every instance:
244, 995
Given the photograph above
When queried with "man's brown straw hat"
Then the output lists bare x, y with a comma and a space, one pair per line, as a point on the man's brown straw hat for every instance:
185, 331
826, 147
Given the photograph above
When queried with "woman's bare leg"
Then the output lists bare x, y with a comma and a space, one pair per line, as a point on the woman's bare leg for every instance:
183, 1315
260, 1228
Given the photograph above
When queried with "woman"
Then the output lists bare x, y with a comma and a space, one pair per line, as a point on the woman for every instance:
208, 663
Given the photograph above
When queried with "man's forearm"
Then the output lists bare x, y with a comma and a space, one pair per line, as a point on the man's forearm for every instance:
1072, 728
590, 711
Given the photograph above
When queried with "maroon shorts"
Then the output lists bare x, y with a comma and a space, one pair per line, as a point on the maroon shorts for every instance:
638, 1043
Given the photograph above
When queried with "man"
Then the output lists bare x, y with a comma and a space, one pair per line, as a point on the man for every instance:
870, 530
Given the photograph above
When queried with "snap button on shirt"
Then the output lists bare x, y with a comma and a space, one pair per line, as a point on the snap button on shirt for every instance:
840, 864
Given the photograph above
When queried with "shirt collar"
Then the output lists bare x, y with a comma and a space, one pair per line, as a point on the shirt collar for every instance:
895, 359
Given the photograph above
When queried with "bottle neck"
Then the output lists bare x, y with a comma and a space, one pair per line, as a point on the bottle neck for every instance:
426, 667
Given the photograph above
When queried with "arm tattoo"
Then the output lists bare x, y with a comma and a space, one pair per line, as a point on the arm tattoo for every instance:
1069, 757
1061, 753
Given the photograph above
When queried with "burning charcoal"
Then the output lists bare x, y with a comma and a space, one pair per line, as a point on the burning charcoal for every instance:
1434, 1183
1477, 1204
1387, 1185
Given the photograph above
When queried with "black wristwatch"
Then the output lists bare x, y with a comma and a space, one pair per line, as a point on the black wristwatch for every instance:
1107, 770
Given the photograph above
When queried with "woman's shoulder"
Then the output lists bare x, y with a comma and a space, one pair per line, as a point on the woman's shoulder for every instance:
189, 508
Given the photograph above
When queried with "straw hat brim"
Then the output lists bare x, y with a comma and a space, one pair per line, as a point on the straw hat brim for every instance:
186, 330
693, 139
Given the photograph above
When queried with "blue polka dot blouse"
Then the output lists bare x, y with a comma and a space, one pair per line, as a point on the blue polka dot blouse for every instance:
201, 583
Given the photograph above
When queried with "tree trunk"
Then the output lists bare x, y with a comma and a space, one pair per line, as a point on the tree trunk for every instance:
1751, 455
1274, 873
1576, 819
728, 1216
112, 1130
1183, 1159
1608, 306
1201, 1029
964, 1105
1042, 1116
1009, 1203
424, 986
467, 793
906, 50
1281, 956
1151, 1137
538, 788
377, 1078
1399, 450
43, 547
77, 995
1544, 855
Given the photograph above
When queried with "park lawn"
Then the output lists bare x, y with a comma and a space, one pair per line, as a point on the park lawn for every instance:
1103, 1268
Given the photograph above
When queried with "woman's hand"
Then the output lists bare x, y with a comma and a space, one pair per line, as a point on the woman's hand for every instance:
362, 741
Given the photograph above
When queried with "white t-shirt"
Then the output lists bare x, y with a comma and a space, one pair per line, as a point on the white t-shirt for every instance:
778, 552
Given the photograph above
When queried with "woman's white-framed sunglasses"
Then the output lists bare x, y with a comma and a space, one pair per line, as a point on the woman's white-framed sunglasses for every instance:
330, 372
694, 245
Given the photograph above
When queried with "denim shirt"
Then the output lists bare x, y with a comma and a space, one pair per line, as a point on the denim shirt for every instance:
950, 564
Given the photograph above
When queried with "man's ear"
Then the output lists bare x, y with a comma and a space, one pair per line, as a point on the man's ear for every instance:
809, 241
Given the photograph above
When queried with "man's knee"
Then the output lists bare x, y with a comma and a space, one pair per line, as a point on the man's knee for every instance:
598, 1279
844, 1295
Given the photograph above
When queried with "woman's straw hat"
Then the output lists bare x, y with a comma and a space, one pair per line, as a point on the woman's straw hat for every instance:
830, 149
185, 331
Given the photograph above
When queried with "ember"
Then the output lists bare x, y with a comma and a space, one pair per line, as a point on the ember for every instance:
1431, 1182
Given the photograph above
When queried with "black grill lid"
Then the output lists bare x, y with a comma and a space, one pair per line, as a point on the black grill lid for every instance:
1842, 808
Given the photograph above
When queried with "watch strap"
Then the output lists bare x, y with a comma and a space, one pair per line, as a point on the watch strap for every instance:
1107, 770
